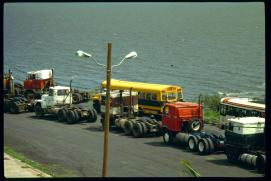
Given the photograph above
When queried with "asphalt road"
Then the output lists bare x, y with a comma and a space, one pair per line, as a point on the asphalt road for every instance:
77, 150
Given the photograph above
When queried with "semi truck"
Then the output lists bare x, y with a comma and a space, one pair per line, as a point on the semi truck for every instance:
245, 141
58, 102
14, 101
183, 122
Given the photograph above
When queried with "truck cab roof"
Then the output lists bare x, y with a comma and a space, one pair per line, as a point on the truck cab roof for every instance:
182, 104
59, 87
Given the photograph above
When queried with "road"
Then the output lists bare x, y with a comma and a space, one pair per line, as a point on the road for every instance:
77, 150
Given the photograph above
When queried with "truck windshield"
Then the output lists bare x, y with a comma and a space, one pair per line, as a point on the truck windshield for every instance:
62, 92
51, 92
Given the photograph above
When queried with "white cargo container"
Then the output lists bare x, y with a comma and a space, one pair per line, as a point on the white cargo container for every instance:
247, 125
40, 74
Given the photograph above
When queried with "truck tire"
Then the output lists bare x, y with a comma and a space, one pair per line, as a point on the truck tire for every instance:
144, 129
65, 114
95, 115
261, 163
203, 146
182, 138
76, 116
92, 116
39, 111
60, 115
137, 130
194, 126
211, 145
70, 117
13, 107
76, 98
168, 137
192, 142
128, 125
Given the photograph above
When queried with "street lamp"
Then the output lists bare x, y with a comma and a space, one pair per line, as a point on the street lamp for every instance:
132, 54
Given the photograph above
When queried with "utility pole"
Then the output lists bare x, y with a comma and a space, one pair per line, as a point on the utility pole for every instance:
106, 125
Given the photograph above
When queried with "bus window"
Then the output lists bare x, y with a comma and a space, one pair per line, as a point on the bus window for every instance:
223, 110
148, 96
164, 96
141, 95
153, 96
180, 96
171, 96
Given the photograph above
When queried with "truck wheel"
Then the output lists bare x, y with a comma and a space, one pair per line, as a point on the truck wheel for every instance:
211, 145
232, 157
76, 98
137, 130
192, 143
94, 118
195, 126
128, 125
168, 137
261, 163
76, 116
65, 114
38, 110
70, 117
60, 115
203, 146
13, 107
144, 129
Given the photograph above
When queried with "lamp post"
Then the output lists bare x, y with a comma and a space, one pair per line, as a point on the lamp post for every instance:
108, 84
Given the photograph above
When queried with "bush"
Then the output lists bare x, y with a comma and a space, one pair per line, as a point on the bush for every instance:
211, 102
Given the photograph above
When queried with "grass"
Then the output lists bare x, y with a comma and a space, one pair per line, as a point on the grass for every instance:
211, 117
46, 168
8, 150
211, 105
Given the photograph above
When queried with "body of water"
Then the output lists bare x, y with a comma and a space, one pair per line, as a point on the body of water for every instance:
203, 47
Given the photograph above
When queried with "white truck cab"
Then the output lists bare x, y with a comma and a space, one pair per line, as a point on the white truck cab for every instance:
58, 95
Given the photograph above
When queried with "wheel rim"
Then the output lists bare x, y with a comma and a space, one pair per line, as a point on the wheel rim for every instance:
201, 147
195, 125
191, 144
166, 137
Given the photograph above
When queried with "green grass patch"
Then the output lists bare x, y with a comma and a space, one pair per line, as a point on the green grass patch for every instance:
8, 150
211, 117
46, 168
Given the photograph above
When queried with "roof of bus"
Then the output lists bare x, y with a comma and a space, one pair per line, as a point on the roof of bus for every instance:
138, 86
242, 102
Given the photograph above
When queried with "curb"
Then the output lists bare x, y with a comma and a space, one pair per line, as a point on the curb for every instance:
14, 168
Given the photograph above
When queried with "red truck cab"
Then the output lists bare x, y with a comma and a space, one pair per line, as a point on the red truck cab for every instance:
182, 117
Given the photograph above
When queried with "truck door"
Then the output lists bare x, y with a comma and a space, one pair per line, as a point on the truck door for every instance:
167, 117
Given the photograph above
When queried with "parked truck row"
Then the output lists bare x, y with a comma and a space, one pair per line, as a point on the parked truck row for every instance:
152, 109
19, 97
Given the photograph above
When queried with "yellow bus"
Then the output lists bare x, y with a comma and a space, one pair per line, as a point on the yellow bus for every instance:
151, 97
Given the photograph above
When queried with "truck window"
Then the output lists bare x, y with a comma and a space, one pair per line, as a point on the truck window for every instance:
61, 92
51, 92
